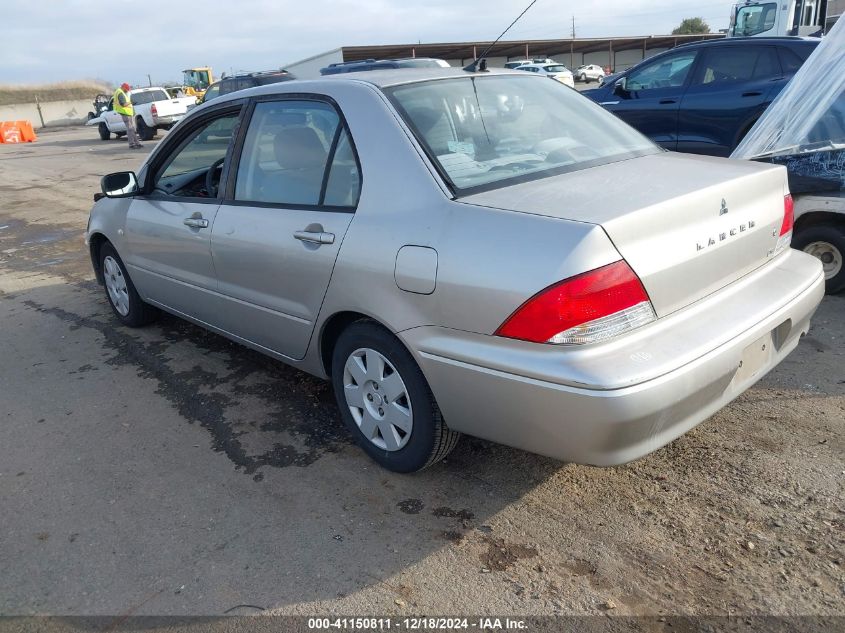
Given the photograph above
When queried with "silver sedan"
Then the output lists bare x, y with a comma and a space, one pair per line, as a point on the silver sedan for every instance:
484, 253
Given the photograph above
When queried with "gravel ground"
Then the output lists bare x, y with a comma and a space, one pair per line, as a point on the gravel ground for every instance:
169, 471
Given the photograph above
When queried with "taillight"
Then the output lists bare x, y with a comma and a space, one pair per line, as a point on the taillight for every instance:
786, 226
590, 307
154, 110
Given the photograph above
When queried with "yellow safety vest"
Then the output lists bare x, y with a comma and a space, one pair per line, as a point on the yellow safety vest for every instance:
127, 109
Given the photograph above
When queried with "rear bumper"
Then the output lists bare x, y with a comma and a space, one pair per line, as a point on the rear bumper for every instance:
612, 403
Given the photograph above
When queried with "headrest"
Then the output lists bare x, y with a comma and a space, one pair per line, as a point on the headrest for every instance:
299, 148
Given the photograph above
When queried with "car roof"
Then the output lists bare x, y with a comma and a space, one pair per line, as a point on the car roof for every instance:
396, 76
380, 78
743, 41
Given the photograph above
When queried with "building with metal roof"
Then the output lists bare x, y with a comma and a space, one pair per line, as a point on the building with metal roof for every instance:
613, 53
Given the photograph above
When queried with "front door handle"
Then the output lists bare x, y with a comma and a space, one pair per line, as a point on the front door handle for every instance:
667, 101
314, 237
753, 93
196, 223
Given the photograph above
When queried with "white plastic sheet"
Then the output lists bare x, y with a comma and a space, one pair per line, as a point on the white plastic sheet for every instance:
808, 116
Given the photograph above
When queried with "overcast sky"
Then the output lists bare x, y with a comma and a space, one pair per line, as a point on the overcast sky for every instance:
124, 40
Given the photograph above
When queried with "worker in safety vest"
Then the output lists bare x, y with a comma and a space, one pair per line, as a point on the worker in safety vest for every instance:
123, 106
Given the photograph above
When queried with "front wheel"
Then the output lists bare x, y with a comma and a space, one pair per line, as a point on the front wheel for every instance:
583, 78
103, 129
827, 244
386, 402
124, 300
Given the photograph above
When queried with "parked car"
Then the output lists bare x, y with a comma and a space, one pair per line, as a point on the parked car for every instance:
154, 110
609, 79
513, 65
555, 71
383, 64
464, 252
243, 81
703, 97
589, 72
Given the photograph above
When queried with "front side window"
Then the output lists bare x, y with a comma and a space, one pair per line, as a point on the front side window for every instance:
297, 153
212, 92
501, 129
194, 168
755, 19
667, 72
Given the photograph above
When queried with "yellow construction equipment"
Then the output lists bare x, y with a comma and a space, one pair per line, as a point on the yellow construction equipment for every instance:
195, 81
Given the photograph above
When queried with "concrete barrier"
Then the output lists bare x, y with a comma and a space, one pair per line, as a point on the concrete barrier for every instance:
52, 114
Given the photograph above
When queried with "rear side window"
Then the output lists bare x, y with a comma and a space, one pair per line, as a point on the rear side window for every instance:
790, 61
298, 153
728, 64
140, 98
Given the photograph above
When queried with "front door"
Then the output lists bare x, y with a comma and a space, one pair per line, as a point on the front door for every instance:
652, 96
275, 242
169, 229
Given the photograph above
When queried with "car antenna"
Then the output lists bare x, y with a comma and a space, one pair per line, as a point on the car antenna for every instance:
479, 64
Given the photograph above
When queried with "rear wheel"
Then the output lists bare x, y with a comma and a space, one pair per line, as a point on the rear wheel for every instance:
385, 401
827, 244
145, 132
583, 78
103, 129
120, 291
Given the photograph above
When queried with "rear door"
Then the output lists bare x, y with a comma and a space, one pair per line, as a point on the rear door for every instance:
168, 229
652, 96
276, 238
730, 89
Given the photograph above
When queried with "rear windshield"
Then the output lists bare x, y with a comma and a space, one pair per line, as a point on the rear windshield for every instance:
139, 98
555, 68
489, 132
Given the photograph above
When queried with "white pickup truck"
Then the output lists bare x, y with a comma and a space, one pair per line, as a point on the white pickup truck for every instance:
154, 110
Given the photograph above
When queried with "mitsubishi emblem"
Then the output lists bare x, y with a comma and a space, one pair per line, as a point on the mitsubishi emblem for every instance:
724, 208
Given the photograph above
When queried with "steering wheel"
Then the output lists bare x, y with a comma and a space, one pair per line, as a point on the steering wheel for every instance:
209, 178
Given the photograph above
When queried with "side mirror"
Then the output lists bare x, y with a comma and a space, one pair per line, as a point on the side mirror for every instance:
621, 87
120, 184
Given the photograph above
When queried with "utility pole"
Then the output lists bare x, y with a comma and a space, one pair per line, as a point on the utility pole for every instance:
150, 80
573, 27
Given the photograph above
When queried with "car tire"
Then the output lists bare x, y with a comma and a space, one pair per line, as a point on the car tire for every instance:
583, 78
827, 243
145, 133
386, 402
124, 300
103, 129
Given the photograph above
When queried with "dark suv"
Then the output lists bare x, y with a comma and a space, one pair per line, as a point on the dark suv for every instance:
381, 64
703, 97
244, 81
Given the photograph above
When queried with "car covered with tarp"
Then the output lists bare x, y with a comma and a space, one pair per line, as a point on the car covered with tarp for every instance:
804, 130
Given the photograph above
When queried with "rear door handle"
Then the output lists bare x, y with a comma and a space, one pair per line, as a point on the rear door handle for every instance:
753, 93
668, 101
196, 223
314, 237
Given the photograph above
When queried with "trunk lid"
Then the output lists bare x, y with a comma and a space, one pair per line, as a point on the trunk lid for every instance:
666, 216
